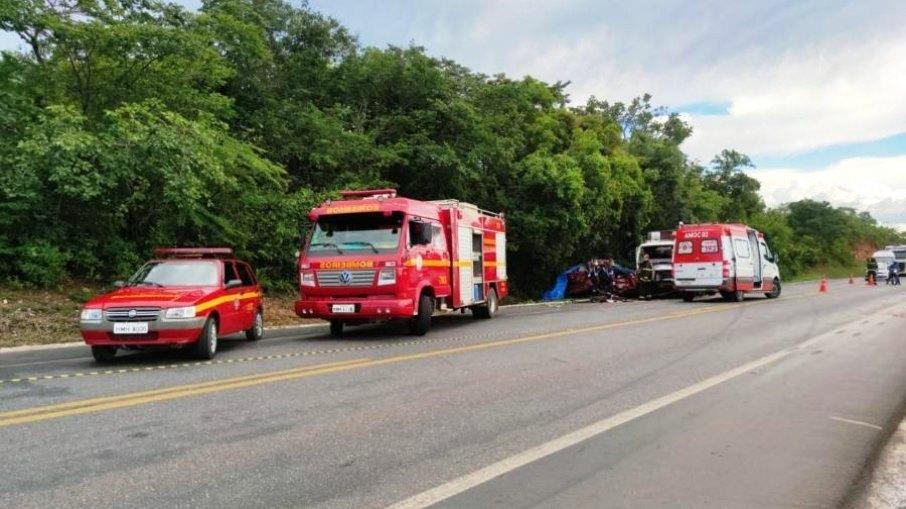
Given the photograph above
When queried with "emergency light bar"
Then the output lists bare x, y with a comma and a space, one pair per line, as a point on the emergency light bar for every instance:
368, 193
193, 252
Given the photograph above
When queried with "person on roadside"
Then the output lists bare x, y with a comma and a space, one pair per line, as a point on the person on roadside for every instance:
893, 273
646, 278
605, 278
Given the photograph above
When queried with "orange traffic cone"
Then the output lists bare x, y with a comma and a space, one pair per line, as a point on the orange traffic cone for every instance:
871, 280
823, 287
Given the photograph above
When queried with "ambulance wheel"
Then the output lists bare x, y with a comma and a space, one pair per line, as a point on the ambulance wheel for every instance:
257, 330
206, 347
775, 290
336, 328
420, 323
103, 354
688, 297
736, 296
489, 309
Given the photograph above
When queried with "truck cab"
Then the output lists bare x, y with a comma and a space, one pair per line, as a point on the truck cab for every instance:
659, 248
877, 267
373, 256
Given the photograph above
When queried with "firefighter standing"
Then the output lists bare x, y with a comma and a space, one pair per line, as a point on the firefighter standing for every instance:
893, 274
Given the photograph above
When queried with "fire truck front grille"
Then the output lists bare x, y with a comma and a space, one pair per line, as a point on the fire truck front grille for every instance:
126, 315
333, 278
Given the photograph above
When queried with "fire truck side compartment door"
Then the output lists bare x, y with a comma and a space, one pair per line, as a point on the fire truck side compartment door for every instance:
501, 256
464, 264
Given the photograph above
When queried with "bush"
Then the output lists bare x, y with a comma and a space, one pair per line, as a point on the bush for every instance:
42, 264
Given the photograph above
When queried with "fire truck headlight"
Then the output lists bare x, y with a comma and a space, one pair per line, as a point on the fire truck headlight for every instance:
180, 313
387, 276
90, 315
307, 278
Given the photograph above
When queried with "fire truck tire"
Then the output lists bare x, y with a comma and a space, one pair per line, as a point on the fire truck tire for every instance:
688, 297
103, 354
775, 290
420, 323
206, 346
736, 296
336, 328
489, 309
257, 330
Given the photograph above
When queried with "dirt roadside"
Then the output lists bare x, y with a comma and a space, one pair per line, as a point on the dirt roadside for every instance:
36, 316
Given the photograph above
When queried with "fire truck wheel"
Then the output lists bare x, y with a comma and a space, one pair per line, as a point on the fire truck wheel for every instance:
206, 347
336, 328
688, 297
489, 309
775, 290
257, 330
420, 323
103, 354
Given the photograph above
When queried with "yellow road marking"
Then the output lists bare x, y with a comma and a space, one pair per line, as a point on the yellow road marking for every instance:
41, 413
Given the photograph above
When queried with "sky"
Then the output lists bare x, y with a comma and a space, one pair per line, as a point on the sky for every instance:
813, 91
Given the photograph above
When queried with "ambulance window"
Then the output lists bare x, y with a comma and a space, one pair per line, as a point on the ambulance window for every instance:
709, 246
685, 247
742, 248
229, 272
766, 251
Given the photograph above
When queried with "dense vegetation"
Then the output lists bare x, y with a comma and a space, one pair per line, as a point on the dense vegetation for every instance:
128, 124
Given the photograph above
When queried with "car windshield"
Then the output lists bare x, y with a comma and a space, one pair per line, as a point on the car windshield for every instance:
176, 273
340, 234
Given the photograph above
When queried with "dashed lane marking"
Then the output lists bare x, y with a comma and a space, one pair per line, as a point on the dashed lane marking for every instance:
717, 307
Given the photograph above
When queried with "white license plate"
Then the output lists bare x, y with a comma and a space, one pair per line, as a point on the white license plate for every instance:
130, 328
343, 308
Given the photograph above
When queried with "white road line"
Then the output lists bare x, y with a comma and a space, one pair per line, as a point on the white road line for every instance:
468, 481
860, 423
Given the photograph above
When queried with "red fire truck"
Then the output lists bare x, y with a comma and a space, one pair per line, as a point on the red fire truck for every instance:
374, 256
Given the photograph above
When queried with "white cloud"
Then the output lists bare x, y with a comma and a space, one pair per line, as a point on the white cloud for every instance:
873, 184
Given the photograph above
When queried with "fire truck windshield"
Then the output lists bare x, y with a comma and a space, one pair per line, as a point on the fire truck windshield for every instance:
367, 233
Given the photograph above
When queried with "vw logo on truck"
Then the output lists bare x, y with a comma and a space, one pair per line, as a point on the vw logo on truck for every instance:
345, 277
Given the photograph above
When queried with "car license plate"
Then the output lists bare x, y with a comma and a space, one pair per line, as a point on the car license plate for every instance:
130, 328
343, 308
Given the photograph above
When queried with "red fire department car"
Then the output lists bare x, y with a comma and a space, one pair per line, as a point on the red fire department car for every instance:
184, 297
730, 259
374, 256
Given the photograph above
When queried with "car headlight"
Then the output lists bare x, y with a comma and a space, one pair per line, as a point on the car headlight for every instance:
387, 276
180, 313
91, 315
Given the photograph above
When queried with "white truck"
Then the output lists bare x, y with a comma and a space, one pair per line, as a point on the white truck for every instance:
659, 248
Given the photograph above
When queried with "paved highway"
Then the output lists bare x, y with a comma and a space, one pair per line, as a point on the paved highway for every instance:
643, 404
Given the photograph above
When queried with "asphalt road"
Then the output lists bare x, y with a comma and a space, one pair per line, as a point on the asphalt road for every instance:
642, 404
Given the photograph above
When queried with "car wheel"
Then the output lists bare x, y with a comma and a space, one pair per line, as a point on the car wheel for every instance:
489, 309
336, 328
206, 347
257, 330
103, 354
688, 297
420, 323
775, 290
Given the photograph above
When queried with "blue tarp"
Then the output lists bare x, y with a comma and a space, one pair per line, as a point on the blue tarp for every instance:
558, 291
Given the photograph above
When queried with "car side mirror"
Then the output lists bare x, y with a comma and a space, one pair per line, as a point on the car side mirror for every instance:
119, 284
233, 283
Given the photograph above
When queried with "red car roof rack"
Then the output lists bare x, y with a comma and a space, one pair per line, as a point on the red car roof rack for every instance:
193, 252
